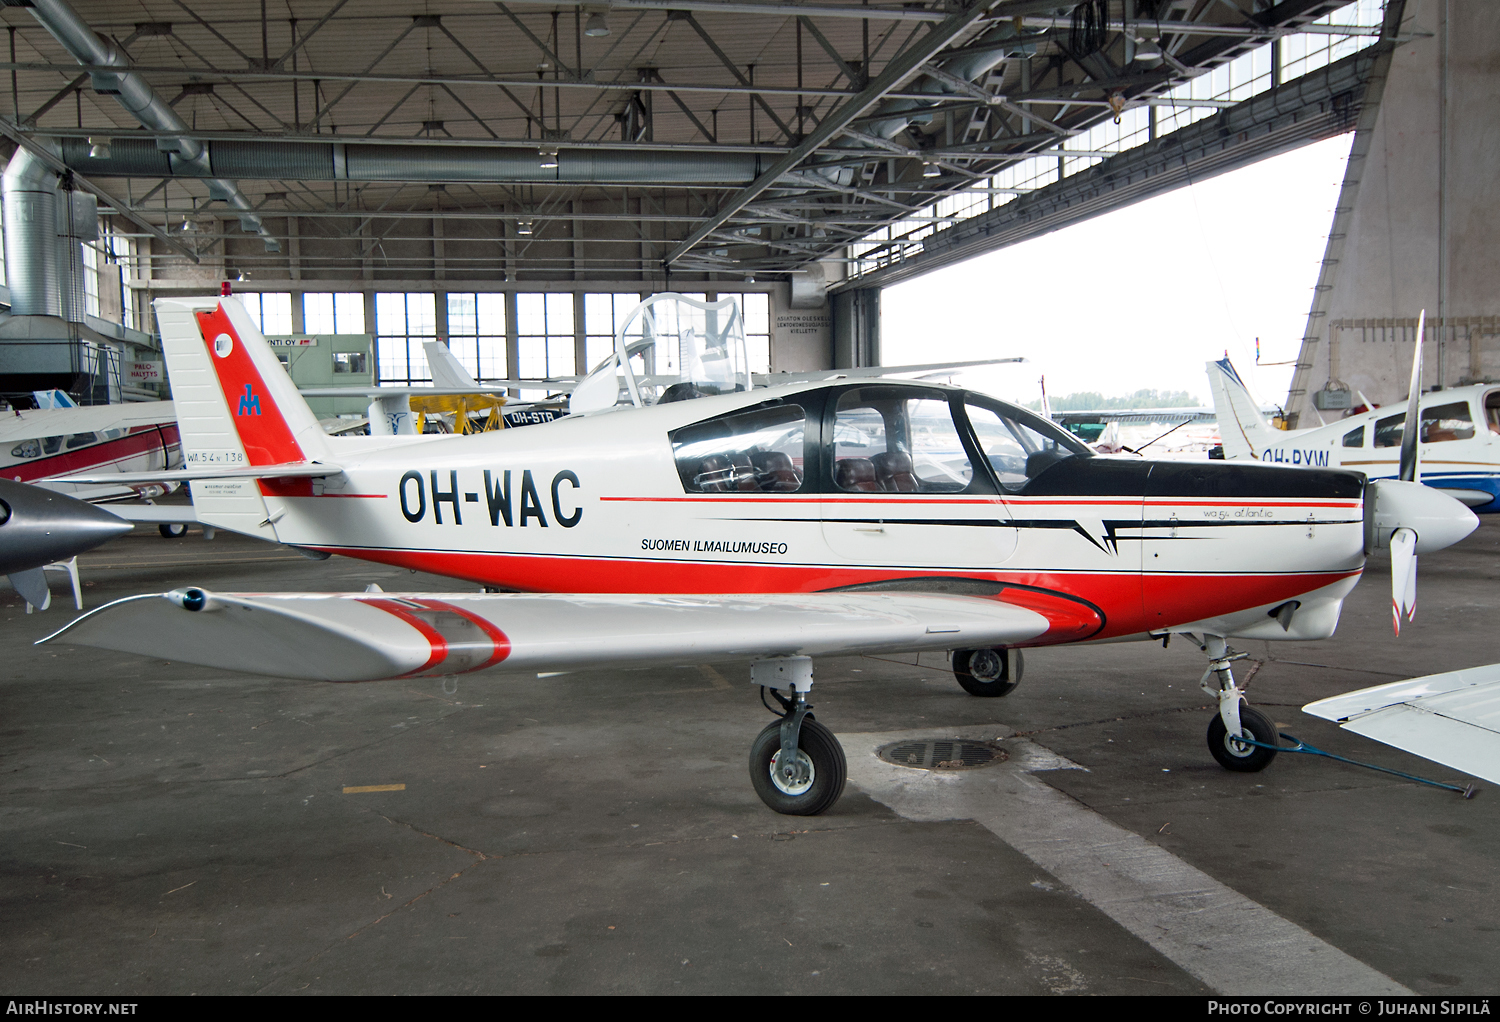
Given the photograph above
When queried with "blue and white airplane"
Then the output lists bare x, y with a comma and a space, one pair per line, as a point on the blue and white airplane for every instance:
1459, 438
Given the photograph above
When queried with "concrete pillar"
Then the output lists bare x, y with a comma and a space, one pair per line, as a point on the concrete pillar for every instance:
1422, 228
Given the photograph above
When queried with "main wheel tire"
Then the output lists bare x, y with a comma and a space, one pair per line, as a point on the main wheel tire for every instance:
984, 672
1238, 756
816, 745
172, 530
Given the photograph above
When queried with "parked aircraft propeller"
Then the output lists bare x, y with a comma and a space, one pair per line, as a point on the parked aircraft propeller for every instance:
1407, 517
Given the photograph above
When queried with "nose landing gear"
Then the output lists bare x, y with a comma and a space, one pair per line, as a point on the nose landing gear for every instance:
797, 766
1234, 719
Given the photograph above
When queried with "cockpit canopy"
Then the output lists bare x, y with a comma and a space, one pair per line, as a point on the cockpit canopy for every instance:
670, 348
876, 437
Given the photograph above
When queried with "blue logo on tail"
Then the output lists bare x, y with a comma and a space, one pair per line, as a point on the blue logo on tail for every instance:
249, 402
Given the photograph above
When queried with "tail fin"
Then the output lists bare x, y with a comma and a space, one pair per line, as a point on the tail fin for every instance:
236, 407
448, 373
1241, 429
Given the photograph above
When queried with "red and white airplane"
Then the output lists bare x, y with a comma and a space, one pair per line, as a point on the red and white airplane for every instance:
706, 519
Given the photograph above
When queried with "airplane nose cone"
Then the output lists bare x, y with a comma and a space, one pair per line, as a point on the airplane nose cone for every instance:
1438, 519
39, 526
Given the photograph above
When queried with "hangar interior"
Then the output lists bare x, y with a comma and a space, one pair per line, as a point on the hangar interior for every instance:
507, 176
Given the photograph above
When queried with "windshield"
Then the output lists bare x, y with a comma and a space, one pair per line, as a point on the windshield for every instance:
1018, 445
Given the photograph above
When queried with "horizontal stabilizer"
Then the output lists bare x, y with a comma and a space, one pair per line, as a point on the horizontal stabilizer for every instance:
155, 514
290, 470
1452, 718
371, 636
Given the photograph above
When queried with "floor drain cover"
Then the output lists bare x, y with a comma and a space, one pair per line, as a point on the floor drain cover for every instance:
943, 754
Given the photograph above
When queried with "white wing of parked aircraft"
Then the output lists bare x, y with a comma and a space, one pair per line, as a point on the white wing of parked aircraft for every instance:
1452, 718
710, 519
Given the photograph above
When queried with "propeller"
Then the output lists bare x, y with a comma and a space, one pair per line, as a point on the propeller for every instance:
1410, 518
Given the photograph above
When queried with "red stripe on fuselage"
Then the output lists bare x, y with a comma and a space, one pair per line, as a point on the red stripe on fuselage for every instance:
897, 498
1186, 597
93, 456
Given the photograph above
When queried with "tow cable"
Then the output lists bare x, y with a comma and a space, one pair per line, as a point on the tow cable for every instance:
1300, 746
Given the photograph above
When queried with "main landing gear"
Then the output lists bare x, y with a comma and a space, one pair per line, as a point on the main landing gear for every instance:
797, 766
1235, 720
988, 672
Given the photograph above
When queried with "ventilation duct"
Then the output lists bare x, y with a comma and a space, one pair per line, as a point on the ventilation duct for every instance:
185, 155
312, 161
30, 196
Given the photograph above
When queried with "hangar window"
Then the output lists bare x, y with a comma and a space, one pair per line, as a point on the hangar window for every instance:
1355, 437
403, 322
342, 313
758, 450
603, 314
544, 329
476, 333
1447, 422
897, 440
271, 312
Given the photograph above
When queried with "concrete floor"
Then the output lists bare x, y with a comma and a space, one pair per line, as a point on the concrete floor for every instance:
169, 829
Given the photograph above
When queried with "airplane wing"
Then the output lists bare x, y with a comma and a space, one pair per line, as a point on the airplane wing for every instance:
1452, 718
286, 470
1133, 416
373, 636
492, 387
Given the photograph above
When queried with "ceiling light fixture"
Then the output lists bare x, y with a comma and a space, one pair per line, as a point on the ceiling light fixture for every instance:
930, 169
549, 158
597, 27
523, 227
98, 148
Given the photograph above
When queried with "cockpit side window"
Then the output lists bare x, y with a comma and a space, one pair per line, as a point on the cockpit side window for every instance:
1355, 437
1389, 429
1447, 422
897, 440
757, 450
1019, 447
1492, 410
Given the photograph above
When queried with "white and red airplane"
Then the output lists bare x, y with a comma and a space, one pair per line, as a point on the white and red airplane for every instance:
709, 519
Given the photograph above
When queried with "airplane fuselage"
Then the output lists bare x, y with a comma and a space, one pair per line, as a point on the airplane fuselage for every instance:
1104, 547
1459, 448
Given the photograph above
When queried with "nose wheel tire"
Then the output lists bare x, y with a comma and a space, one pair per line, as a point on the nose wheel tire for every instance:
172, 530
984, 672
1241, 756
827, 770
